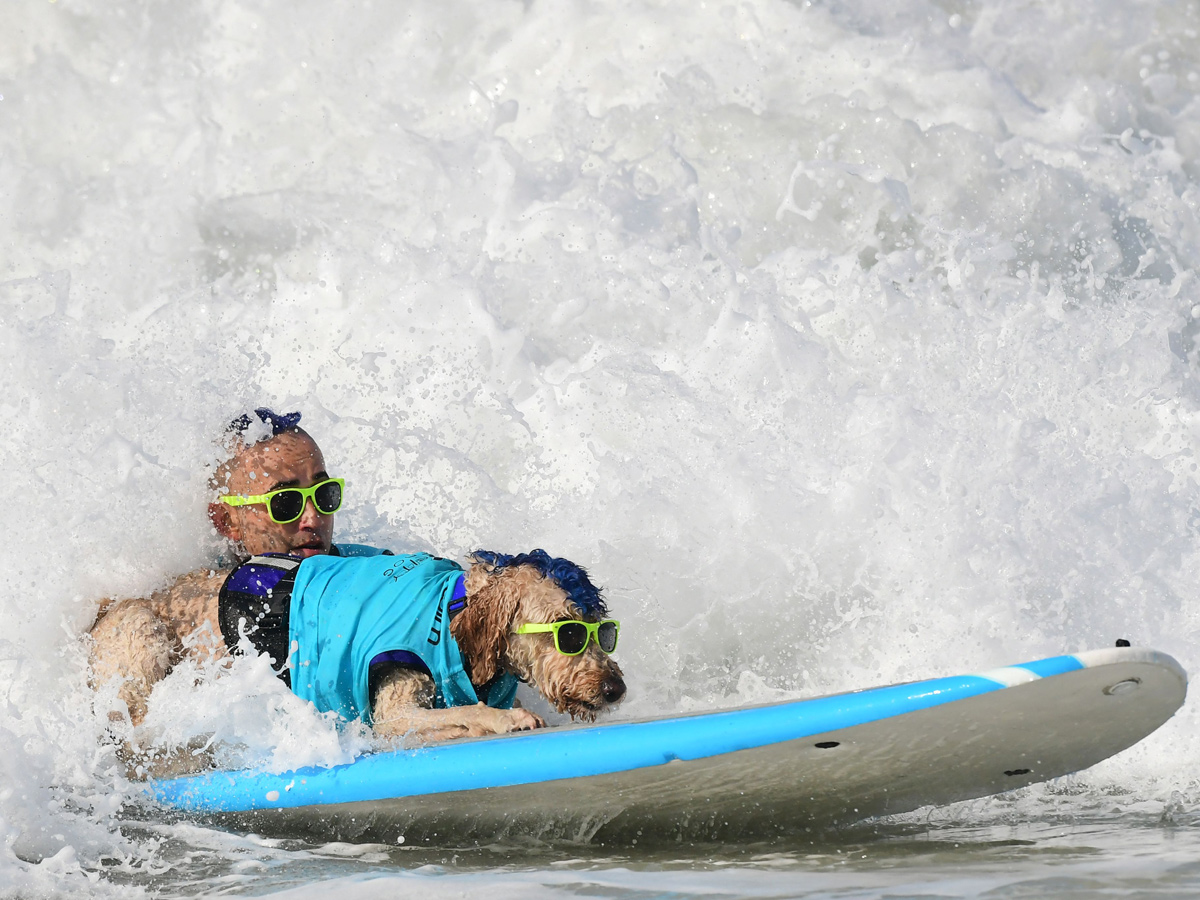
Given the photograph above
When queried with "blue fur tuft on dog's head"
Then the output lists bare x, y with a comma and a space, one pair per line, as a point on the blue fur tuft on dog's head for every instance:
571, 578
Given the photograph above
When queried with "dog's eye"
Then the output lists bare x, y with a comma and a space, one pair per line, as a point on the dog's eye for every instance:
572, 637
606, 636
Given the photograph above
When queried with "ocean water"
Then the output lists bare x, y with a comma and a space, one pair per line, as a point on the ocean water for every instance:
844, 342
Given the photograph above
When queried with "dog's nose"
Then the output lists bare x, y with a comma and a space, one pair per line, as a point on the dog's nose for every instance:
613, 689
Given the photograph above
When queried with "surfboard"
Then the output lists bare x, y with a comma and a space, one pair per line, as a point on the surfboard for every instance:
755, 770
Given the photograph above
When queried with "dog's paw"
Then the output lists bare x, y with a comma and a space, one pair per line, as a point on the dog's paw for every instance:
523, 720
156, 762
503, 721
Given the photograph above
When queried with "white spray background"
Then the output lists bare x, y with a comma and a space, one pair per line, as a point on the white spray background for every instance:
843, 346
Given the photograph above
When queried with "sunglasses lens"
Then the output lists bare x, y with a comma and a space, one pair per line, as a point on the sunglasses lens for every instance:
328, 497
572, 637
606, 636
286, 506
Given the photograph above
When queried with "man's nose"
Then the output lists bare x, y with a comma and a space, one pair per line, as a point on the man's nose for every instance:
311, 515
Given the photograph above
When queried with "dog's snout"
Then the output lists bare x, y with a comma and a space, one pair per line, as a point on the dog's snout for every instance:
613, 689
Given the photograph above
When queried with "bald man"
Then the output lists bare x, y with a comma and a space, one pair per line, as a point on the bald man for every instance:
274, 497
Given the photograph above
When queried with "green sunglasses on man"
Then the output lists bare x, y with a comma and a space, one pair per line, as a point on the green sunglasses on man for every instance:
287, 504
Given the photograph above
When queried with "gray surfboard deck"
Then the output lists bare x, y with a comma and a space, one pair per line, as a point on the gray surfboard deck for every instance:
752, 771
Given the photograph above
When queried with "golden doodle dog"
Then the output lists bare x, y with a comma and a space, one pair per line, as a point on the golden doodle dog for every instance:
412, 644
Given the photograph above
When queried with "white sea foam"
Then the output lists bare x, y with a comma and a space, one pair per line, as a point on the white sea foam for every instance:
845, 344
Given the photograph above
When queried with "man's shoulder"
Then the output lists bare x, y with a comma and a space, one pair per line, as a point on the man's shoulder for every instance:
191, 596
198, 580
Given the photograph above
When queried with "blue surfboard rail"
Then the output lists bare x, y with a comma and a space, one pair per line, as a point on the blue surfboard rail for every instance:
581, 751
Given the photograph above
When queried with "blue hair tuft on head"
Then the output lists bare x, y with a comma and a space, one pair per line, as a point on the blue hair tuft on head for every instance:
279, 422
573, 579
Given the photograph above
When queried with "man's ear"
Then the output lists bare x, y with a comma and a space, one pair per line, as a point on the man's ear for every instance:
218, 514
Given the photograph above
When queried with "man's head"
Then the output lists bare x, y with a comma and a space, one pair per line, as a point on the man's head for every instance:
282, 456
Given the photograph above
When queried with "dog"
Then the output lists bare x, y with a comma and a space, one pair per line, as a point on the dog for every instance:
498, 624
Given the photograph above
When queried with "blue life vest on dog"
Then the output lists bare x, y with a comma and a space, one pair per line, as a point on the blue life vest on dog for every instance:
256, 599
347, 611
357, 550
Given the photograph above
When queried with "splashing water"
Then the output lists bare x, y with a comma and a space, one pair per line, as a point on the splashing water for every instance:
842, 344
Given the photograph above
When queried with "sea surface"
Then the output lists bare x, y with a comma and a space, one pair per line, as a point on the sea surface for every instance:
845, 342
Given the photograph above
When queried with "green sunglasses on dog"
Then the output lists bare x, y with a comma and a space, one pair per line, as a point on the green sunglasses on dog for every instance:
571, 637
287, 504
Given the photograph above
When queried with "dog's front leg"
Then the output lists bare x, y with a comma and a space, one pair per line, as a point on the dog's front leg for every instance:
403, 706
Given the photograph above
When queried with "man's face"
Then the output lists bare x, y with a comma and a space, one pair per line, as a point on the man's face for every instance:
291, 459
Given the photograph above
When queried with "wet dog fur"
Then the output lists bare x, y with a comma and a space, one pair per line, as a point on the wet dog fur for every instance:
139, 641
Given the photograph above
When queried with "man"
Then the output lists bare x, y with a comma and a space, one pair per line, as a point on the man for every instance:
283, 457
275, 503
141, 639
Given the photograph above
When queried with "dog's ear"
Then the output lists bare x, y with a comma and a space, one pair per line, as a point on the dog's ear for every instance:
481, 629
